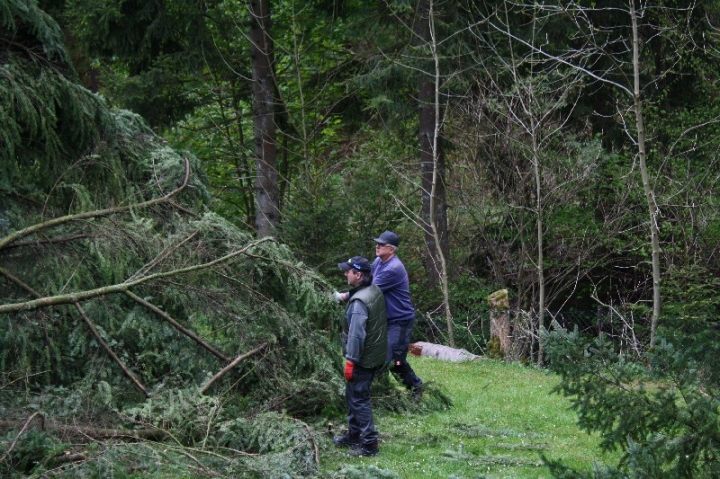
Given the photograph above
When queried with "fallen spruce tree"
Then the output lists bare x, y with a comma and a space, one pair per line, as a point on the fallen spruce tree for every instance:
136, 326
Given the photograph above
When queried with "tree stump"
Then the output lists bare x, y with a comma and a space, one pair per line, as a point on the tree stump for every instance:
500, 320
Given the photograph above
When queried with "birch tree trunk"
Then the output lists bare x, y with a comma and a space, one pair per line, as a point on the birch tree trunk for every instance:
647, 188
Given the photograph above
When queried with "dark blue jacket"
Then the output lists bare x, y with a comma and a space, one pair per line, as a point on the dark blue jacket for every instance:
392, 279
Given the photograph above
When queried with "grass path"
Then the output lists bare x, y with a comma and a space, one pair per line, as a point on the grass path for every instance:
503, 418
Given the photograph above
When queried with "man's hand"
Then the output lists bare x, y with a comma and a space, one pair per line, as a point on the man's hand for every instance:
338, 297
349, 366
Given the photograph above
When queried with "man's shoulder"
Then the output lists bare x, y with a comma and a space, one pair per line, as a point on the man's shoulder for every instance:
396, 259
367, 293
369, 289
395, 264
375, 289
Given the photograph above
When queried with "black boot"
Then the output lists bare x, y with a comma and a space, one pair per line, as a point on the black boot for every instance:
346, 440
367, 450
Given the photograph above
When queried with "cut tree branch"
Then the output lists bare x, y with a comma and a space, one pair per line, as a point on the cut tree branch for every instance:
66, 239
12, 446
151, 434
6, 241
73, 298
227, 368
110, 352
19, 282
177, 325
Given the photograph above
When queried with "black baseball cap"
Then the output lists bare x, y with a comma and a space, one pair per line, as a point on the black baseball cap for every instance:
388, 237
358, 263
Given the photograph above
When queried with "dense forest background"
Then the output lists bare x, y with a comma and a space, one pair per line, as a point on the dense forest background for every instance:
180, 178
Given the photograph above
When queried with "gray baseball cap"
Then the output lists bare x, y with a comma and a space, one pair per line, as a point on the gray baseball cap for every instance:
388, 237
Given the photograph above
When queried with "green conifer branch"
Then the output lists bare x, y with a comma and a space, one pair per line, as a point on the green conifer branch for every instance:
176, 324
92, 214
73, 298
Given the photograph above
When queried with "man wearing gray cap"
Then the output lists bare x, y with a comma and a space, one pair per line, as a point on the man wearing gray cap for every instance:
365, 350
390, 276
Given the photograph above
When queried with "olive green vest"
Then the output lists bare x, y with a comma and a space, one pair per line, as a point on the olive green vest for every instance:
375, 348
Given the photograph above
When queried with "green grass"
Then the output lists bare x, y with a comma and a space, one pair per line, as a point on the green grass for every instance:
502, 419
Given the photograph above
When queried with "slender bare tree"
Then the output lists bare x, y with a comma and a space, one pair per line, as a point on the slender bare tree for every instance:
432, 162
531, 106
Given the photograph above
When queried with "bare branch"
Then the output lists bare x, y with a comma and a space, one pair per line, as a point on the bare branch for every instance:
19, 282
91, 432
49, 241
109, 350
227, 368
12, 446
147, 267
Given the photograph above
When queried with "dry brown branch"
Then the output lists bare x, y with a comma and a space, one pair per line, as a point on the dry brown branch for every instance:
200, 465
177, 325
312, 440
67, 457
96, 433
66, 239
227, 368
19, 282
22, 430
109, 351
5, 242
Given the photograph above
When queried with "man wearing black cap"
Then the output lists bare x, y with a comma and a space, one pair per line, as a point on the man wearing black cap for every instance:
365, 349
390, 276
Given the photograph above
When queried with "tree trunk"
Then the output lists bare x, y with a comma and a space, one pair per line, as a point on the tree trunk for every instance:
440, 351
649, 193
267, 216
432, 166
540, 258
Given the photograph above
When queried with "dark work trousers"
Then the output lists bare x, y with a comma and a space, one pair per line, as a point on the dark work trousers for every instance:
398, 344
357, 397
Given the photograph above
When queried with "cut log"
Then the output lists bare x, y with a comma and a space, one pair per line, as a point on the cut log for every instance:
439, 351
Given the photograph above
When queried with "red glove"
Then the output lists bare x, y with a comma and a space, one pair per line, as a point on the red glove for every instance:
349, 365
